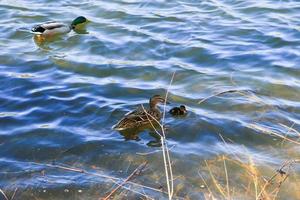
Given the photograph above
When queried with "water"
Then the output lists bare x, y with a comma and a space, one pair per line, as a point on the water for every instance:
60, 98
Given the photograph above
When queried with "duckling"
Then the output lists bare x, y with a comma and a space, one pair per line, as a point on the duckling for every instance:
141, 117
177, 111
54, 28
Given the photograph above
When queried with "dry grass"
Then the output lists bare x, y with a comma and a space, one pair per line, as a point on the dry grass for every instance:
251, 183
256, 182
245, 180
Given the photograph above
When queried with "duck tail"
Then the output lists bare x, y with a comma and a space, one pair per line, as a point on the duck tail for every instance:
117, 127
38, 29
121, 125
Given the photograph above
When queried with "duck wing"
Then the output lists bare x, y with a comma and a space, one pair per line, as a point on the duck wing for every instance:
40, 28
52, 25
136, 118
143, 115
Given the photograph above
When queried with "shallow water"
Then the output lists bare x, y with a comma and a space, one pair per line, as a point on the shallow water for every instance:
60, 98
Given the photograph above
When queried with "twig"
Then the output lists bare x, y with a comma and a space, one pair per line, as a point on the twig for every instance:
288, 131
164, 140
113, 179
152, 152
227, 181
166, 97
224, 92
287, 163
137, 171
216, 183
69, 168
1, 191
270, 132
164, 147
226, 145
209, 190
291, 129
13, 196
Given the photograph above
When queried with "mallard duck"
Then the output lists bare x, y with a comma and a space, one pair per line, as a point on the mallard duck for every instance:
54, 28
176, 111
141, 117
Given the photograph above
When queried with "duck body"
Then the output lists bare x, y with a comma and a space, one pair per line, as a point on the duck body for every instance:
51, 28
55, 28
178, 111
141, 117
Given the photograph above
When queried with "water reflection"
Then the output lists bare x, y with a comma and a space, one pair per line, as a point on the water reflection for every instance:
43, 42
133, 134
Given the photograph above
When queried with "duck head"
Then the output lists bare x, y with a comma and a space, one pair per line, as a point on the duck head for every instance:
77, 21
183, 109
157, 99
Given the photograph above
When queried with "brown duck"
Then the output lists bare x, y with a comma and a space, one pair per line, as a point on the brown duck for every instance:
141, 117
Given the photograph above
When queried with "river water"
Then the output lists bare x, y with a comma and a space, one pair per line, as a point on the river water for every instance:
59, 98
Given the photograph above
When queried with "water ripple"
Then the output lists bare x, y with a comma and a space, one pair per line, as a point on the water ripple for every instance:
60, 98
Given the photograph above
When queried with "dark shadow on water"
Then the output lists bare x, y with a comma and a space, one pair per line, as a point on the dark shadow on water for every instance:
133, 134
156, 142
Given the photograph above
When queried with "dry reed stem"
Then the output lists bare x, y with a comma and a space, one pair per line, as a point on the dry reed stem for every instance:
13, 196
113, 179
137, 192
208, 188
271, 132
290, 128
6, 197
286, 134
163, 121
166, 159
165, 149
244, 94
279, 172
136, 172
3, 194
152, 152
166, 97
254, 175
226, 145
224, 92
227, 181
216, 183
